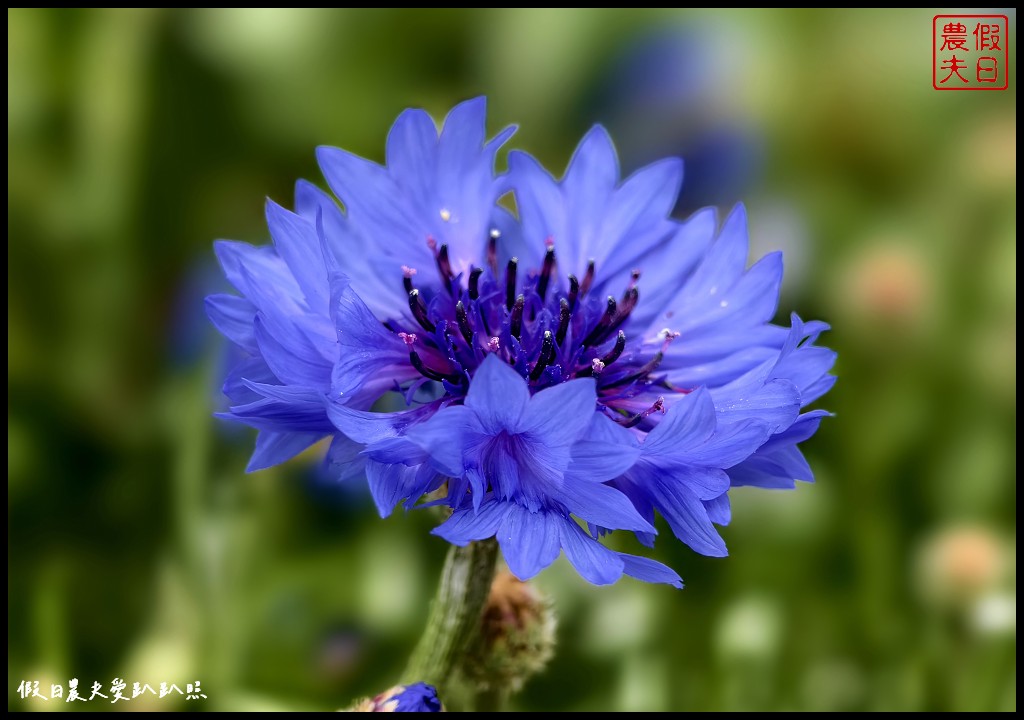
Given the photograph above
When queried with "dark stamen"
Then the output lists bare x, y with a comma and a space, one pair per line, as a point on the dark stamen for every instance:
545, 271
597, 365
463, 319
613, 354
639, 374
419, 311
423, 370
563, 321
444, 266
629, 301
603, 325
510, 282
407, 273
588, 279
547, 354
492, 253
474, 283
574, 291
516, 323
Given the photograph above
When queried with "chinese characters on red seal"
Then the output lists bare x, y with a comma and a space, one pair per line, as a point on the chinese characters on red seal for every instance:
970, 52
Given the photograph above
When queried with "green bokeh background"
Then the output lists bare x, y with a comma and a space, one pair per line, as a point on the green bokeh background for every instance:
139, 549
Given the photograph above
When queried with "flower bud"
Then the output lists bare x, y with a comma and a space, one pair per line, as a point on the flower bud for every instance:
516, 639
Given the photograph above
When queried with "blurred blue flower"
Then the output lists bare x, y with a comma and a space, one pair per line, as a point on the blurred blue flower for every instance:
539, 387
670, 91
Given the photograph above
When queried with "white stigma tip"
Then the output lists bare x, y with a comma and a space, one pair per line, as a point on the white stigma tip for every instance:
446, 214
495, 233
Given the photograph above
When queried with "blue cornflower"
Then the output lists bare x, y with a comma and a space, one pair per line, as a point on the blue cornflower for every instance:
415, 697
542, 389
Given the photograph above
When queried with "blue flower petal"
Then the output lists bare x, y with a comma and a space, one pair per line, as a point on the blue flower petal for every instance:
722, 370
370, 360
392, 483
562, 413
398, 450
805, 367
372, 427
498, 395
592, 174
596, 563
292, 394
233, 317
775, 404
691, 350
444, 435
721, 267
688, 423
367, 272
635, 219
292, 358
719, 509
541, 209
236, 384
804, 427
273, 448
650, 570
606, 451
412, 152
372, 199
529, 540
467, 525
296, 241
268, 414
344, 458
731, 444
750, 302
261, 263
665, 268
685, 512
602, 505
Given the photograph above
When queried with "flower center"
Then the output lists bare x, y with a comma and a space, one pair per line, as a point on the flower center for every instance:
549, 335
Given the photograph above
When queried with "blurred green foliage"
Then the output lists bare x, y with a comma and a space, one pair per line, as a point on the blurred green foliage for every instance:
139, 550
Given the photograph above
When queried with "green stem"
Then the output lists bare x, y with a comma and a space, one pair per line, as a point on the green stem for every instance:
454, 614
